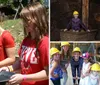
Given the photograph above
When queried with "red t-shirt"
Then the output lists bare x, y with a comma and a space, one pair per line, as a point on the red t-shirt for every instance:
30, 63
6, 41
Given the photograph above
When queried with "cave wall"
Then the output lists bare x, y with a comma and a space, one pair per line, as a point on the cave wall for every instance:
61, 12
94, 9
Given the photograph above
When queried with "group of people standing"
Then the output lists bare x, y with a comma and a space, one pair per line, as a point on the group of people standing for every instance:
83, 71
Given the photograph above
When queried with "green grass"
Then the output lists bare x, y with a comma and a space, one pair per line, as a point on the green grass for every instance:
16, 29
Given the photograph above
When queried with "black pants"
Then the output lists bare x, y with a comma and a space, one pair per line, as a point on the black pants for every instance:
74, 81
56, 82
74, 73
2, 83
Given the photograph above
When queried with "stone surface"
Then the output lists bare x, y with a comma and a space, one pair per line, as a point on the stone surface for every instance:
78, 36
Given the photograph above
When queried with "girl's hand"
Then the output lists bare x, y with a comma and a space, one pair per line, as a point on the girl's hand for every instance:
16, 79
56, 75
88, 30
66, 65
74, 77
77, 77
65, 30
83, 76
4, 69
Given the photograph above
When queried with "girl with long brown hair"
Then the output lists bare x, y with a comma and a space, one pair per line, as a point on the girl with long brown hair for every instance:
34, 48
65, 60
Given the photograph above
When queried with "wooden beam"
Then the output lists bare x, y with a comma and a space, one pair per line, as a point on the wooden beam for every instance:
85, 11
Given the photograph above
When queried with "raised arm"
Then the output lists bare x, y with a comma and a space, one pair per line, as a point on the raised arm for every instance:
69, 25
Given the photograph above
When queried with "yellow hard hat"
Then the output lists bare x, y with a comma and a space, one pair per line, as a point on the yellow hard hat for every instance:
65, 43
76, 49
53, 50
95, 67
75, 13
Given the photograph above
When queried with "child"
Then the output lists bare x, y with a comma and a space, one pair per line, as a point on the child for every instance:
55, 70
34, 51
94, 78
76, 23
76, 64
64, 60
7, 49
85, 69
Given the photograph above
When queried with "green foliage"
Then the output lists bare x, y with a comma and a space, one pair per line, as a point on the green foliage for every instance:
42, 1
4, 2
16, 29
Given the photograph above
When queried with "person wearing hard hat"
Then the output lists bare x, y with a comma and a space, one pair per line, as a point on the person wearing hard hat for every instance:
85, 69
94, 78
76, 24
55, 69
64, 60
76, 64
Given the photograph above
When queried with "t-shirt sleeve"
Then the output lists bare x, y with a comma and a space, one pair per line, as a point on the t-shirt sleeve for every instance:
44, 54
8, 40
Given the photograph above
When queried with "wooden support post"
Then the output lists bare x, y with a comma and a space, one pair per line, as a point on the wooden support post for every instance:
85, 11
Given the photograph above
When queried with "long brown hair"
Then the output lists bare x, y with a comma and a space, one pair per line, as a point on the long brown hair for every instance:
63, 54
36, 12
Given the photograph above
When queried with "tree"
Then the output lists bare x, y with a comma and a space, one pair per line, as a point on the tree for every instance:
5, 2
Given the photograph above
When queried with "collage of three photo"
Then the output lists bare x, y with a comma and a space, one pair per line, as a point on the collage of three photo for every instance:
49, 42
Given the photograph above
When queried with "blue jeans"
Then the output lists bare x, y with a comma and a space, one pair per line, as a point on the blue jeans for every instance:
65, 77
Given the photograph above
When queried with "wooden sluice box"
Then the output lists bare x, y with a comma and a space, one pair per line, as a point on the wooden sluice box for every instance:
78, 36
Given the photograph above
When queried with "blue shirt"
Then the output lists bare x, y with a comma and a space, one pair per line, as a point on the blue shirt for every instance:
77, 63
58, 71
